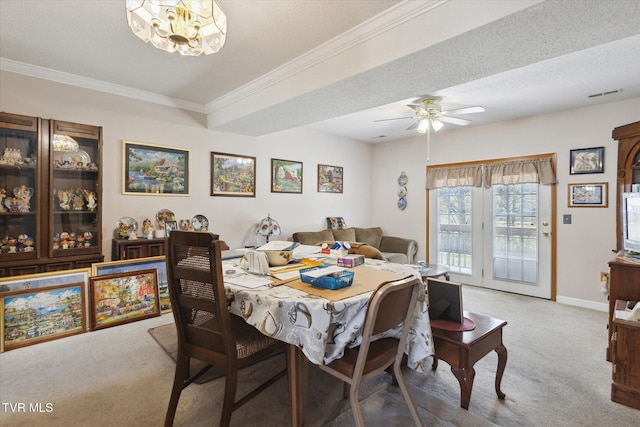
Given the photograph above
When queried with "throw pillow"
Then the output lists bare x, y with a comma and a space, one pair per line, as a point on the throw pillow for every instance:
371, 236
347, 235
312, 237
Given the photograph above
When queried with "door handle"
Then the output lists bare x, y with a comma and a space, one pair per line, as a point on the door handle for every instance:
545, 233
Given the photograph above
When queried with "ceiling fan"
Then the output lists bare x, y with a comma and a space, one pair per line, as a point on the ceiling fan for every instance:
429, 114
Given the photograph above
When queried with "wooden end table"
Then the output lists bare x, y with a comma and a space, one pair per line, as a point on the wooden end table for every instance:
462, 349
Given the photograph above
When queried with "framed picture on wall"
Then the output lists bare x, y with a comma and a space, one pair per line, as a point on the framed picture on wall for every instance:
593, 195
233, 175
587, 160
154, 170
286, 176
330, 179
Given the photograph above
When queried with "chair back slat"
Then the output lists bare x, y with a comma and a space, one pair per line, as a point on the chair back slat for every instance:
392, 310
196, 290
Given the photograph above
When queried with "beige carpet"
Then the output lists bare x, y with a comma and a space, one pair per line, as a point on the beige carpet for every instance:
167, 337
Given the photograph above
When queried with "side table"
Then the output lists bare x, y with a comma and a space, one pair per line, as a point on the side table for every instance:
462, 349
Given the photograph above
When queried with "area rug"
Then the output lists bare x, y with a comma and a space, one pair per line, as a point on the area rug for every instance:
167, 337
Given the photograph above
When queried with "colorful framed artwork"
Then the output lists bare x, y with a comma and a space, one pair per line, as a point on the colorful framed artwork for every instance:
286, 176
159, 263
330, 179
587, 160
123, 298
233, 175
36, 315
154, 170
588, 195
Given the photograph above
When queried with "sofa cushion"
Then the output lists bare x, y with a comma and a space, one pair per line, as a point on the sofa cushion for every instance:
370, 236
344, 235
312, 237
395, 257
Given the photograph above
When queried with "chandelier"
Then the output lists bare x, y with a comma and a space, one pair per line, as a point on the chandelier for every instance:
191, 27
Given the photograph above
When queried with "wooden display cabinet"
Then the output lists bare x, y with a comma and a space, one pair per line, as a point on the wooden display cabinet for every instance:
625, 358
139, 248
20, 189
628, 138
50, 175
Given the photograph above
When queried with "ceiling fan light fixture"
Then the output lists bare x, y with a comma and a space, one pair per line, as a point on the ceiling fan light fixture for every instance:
190, 27
423, 127
437, 125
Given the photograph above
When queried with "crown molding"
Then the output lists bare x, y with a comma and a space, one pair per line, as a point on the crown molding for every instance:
97, 85
385, 21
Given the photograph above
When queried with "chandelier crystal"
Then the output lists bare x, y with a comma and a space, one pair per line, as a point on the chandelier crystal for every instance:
189, 27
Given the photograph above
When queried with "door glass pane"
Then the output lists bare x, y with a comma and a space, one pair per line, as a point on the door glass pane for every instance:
454, 242
515, 233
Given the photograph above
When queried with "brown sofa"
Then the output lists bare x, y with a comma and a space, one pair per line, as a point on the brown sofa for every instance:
393, 249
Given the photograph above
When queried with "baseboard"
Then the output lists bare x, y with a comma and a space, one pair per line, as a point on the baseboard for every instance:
600, 306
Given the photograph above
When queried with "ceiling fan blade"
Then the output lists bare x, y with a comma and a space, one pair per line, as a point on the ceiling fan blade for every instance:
414, 125
415, 107
465, 110
454, 120
397, 118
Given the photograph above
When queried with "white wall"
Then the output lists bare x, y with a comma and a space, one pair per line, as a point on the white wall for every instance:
371, 171
234, 218
583, 248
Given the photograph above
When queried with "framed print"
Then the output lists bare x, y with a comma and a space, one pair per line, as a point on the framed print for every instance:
587, 160
44, 280
592, 195
169, 226
123, 298
36, 315
330, 179
286, 176
233, 175
159, 263
154, 169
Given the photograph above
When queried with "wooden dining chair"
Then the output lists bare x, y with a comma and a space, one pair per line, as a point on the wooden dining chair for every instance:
390, 305
207, 331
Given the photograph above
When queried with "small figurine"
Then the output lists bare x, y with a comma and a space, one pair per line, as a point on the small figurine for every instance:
3, 195
28, 244
91, 200
65, 200
147, 229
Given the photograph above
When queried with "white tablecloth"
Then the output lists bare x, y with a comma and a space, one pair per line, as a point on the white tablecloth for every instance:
322, 328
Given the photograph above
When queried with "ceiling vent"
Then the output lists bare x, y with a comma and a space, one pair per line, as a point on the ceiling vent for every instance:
611, 92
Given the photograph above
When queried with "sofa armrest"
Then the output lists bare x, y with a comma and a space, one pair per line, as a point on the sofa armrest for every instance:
400, 245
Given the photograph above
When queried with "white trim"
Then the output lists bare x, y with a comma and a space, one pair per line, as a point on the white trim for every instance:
387, 20
600, 306
98, 85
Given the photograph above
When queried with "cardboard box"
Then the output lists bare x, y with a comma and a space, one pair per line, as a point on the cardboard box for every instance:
350, 261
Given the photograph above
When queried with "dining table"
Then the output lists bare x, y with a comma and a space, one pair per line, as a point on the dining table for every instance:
318, 323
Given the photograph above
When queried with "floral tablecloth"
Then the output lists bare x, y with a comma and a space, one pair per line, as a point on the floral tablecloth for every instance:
322, 328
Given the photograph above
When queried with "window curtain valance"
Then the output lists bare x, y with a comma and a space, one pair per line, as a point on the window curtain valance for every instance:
510, 172
455, 176
519, 172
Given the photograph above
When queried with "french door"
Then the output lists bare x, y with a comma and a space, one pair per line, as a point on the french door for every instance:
499, 238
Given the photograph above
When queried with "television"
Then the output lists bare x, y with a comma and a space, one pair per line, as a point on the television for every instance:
445, 300
631, 224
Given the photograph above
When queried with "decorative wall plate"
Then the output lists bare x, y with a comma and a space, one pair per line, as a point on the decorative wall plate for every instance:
402, 191
402, 179
402, 203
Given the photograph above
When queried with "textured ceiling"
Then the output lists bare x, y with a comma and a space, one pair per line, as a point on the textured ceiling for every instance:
336, 66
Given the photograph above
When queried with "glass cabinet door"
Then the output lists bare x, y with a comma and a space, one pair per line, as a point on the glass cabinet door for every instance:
75, 184
19, 192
